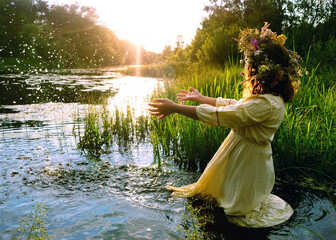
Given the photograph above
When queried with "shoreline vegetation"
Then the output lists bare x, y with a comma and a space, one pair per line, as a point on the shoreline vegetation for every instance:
38, 37
304, 147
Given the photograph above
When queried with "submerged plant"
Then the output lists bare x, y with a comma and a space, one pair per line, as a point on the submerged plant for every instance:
33, 225
199, 219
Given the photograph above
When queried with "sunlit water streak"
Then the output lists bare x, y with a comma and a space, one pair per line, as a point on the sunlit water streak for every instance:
120, 196
133, 92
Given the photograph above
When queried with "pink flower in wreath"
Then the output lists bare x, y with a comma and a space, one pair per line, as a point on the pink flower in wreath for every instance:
254, 43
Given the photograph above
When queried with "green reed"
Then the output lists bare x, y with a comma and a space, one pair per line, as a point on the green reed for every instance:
305, 139
100, 128
190, 143
307, 136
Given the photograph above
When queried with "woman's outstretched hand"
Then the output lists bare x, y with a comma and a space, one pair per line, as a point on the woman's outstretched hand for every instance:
163, 107
193, 95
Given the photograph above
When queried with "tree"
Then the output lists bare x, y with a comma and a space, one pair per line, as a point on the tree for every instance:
213, 41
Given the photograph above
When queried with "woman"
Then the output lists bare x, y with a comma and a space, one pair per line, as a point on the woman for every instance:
240, 175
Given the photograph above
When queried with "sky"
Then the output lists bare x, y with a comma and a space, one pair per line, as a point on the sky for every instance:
150, 23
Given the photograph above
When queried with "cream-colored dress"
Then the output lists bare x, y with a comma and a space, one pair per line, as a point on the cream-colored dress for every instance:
240, 175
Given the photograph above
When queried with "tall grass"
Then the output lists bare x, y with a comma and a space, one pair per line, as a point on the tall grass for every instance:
190, 142
305, 139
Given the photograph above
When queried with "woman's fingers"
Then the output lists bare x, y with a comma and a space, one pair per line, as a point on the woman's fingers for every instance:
160, 100
156, 104
162, 107
155, 113
191, 90
153, 109
153, 104
162, 116
181, 96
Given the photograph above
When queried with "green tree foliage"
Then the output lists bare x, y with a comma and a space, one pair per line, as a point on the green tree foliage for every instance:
214, 42
305, 23
309, 23
62, 36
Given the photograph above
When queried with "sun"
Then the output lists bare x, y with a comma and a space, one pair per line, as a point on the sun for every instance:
152, 24
142, 22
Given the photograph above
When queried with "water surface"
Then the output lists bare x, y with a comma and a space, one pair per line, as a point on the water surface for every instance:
122, 194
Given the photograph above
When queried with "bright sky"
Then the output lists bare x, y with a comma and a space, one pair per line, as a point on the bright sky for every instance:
151, 23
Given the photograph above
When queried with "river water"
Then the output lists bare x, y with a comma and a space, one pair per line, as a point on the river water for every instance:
122, 195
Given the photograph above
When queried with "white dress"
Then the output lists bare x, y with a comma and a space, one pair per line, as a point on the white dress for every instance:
240, 175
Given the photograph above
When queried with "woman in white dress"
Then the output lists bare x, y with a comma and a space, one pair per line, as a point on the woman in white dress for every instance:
240, 176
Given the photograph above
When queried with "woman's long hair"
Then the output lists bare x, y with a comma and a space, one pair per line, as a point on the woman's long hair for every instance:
275, 82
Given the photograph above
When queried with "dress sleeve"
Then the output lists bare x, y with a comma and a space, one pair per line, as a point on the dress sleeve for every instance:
252, 111
225, 101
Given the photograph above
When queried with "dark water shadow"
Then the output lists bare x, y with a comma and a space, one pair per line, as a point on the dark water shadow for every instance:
82, 87
314, 217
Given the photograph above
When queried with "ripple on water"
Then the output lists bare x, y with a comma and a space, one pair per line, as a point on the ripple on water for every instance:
141, 185
120, 196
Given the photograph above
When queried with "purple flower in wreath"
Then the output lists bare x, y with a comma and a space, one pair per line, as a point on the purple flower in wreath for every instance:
254, 43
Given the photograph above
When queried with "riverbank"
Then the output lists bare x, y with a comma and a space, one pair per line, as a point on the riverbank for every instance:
305, 143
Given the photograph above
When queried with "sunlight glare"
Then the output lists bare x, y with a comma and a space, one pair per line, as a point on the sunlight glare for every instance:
133, 92
150, 23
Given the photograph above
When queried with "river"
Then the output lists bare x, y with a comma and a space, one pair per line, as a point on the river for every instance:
122, 195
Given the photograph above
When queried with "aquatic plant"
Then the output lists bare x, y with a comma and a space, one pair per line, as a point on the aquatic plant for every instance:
307, 136
94, 137
33, 225
197, 218
100, 128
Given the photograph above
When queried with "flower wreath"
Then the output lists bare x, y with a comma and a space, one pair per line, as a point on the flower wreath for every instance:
253, 44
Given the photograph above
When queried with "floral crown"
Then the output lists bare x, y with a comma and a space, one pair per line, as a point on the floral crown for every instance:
254, 44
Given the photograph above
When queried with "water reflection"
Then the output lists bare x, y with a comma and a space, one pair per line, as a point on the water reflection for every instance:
85, 86
133, 92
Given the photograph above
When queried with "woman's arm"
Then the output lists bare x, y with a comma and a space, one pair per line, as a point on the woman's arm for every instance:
194, 95
165, 107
